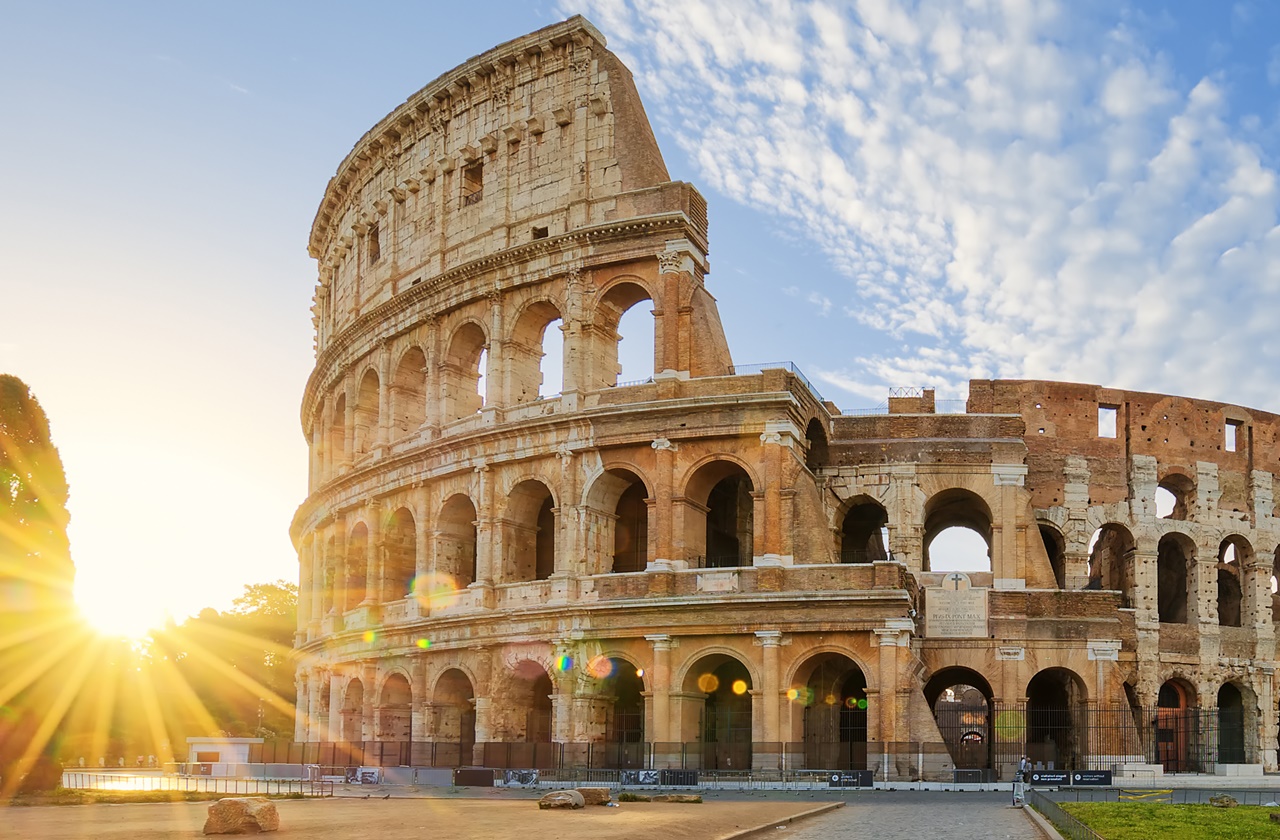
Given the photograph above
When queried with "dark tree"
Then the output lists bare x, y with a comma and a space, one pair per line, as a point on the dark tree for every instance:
36, 574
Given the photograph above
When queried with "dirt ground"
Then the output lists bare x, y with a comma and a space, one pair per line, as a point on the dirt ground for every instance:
390, 819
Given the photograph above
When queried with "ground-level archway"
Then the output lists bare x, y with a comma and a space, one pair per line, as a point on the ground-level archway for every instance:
832, 690
1056, 723
962, 703
723, 718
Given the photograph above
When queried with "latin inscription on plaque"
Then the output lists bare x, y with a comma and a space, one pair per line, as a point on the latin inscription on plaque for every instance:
955, 610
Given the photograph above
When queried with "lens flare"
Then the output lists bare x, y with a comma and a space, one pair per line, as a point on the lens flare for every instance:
739, 686
793, 693
423, 643
640, 672
707, 683
830, 700
600, 667
1010, 725
370, 637
862, 703
851, 702
435, 590
564, 664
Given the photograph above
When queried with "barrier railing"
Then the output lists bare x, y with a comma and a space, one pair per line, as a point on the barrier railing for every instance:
1066, 824
77, 780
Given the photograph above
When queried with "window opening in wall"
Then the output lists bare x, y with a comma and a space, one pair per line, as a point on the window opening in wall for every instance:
482, 380
1106, 421
635, 343
959, 549
540, 232
373, 244
1232, 430
472, 183
552, 360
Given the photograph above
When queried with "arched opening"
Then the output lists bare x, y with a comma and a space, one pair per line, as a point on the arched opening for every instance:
408, 394
815, 453
399, 555
1175, 497
1055, 548
1233, 553
355, 585
962, 703
1111, 560
625, 337
621, 688
864, 533
366, 414
720, 522
462, 393
1174, 555
535, 354
453, 708
351, 728
1055, 720
724, 718
338, 433
957, 532
521, 718
394, 711
456, 544
529, 528
631, 530
1231, 725
833, 692
1176, 727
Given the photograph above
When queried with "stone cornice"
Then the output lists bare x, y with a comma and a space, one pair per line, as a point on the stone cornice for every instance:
384, 314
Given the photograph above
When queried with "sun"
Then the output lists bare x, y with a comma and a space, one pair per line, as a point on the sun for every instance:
114, 614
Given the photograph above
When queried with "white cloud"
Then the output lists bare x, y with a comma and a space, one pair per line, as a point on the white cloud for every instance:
1010, 188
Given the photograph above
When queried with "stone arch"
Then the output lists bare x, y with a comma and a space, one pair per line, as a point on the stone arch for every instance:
337, 432
452, 716
1175, 554
863, 531
620, 710
963, 706
816, 452
1176, 490
400, 553
716, 707
455, 549
613, 301
1055, 549
1176, 725
617, 506
526, 347
1237, 723
522, 704
529, 532
395, 707
461, 370
831, 688
355, 567
351, 720
720, 513
408, 394
1111, 559
366, 415
1234, 554
955, 508
1056, 709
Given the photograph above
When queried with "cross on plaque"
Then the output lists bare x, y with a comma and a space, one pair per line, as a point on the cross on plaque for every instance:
956, 578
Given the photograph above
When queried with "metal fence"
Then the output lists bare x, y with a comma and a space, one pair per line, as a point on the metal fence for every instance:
201, 784
1066, 824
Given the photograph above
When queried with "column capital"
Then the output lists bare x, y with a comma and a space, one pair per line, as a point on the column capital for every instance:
769, 638
660, 641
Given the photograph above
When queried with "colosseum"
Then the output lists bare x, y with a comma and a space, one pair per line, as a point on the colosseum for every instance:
714, 569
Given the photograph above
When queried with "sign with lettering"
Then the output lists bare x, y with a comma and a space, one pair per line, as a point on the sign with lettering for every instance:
1091, 777
955, 610
851, 778
1050, 777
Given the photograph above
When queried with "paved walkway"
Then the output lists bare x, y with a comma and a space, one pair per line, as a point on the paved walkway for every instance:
919, 815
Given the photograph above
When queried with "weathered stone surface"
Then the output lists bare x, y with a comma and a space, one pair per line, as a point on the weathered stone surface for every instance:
678, 797
242, 815
594, 795
562, 799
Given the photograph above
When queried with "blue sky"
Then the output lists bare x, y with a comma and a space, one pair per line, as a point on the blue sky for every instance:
900, 194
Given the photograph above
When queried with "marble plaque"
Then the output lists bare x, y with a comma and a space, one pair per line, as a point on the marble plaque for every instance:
955, 610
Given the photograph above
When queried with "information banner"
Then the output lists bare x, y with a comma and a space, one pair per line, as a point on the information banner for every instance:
851, 778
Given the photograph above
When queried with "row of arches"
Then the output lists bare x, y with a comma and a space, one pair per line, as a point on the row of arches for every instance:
537, 358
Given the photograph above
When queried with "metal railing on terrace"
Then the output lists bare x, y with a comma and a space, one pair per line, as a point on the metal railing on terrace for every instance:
791, 367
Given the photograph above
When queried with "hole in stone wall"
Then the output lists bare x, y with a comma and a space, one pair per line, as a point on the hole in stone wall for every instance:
540, 233
1106, 421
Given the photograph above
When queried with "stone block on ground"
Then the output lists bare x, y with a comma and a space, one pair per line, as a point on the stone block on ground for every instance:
558, 799
594, 795
1223, 800
242, 815
678, 797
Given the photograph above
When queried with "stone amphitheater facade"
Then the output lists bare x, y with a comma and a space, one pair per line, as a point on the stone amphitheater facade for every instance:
715, 568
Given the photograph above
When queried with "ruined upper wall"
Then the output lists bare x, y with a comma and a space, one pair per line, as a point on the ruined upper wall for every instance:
538, 138
1185, 436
